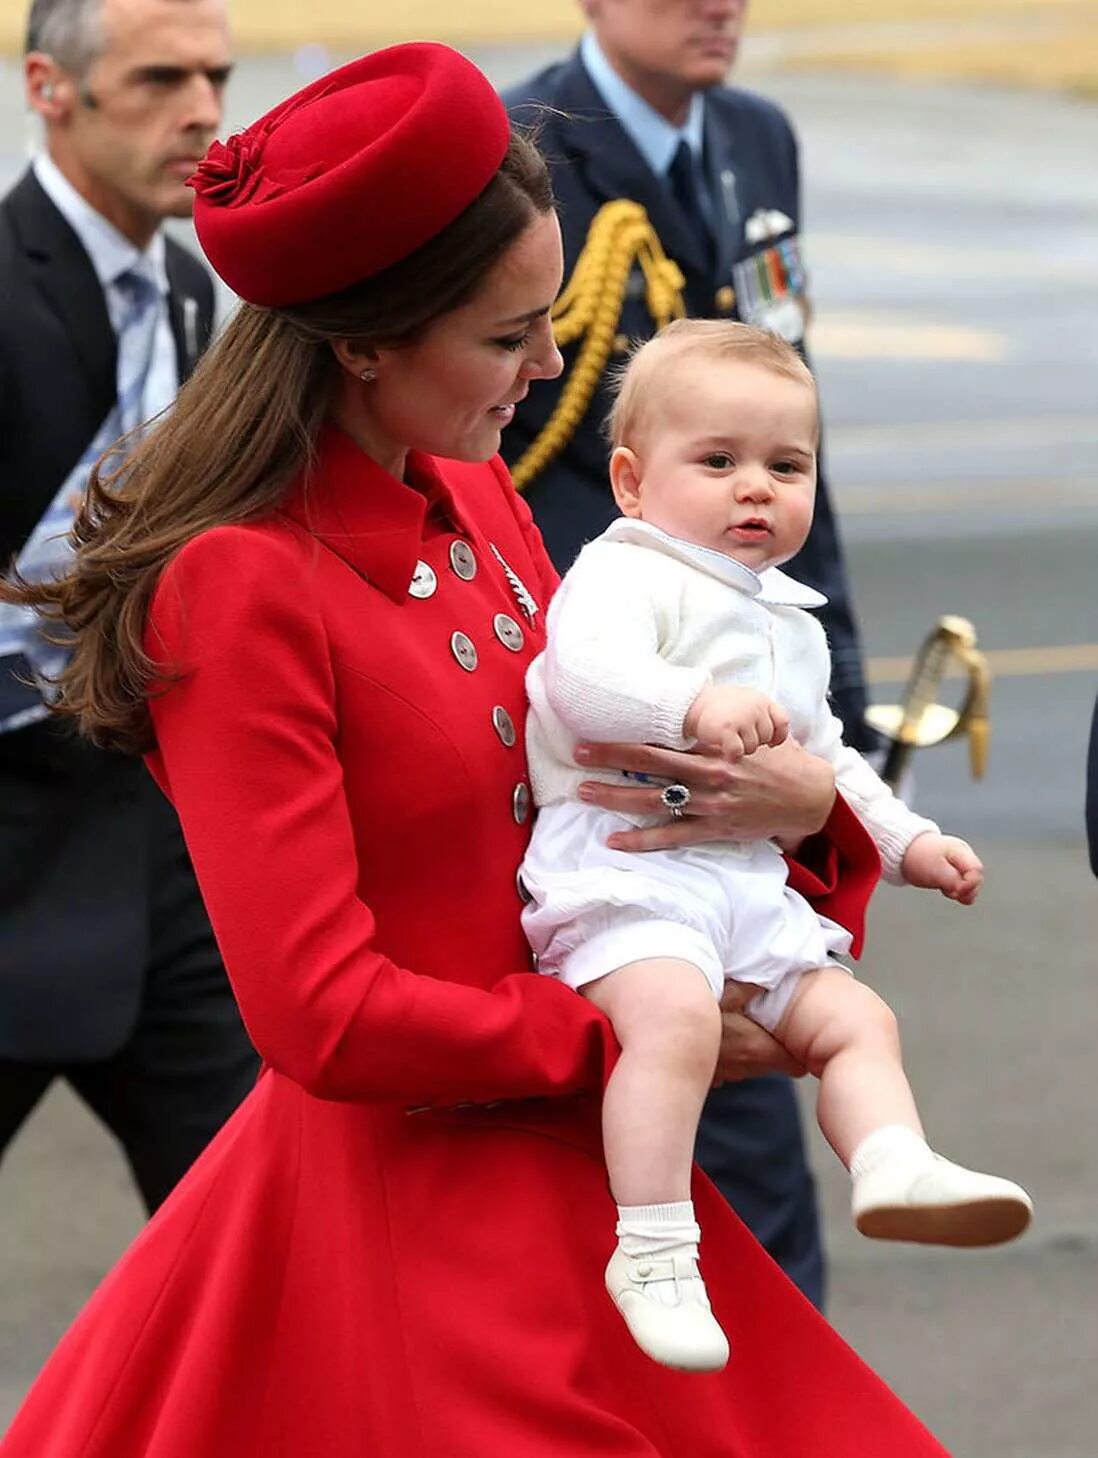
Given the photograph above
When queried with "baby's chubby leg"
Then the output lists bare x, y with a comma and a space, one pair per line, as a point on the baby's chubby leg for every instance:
669, 1026
842, 1032
668, 1023
847, 1036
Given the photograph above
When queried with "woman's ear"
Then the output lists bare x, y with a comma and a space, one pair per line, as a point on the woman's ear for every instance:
362, 363
625, 480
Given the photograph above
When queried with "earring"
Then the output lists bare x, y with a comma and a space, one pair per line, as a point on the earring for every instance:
368, 376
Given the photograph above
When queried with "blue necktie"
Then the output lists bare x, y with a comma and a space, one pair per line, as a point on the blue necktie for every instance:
685, 184
24, 652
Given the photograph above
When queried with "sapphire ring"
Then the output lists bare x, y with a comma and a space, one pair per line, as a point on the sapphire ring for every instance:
676, 798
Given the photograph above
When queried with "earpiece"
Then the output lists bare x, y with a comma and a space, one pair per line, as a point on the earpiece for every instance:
47, 91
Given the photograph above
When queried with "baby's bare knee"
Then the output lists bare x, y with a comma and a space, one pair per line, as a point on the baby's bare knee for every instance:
836, 1016
683, 1024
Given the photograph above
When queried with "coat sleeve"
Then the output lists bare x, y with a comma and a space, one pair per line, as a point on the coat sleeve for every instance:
246, 736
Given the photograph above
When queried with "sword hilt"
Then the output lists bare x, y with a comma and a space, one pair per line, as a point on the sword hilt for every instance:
920, 721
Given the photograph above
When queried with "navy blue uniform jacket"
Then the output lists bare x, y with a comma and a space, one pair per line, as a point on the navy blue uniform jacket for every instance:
593, 161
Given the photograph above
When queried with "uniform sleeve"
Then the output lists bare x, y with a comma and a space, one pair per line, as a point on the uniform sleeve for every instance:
605, 676
247, 751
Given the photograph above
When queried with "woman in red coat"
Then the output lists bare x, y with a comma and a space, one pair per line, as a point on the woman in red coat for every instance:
311, 601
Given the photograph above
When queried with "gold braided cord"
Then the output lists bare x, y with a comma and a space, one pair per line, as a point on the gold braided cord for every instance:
589, 308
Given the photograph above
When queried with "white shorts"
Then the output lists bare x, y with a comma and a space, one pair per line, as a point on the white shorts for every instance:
725, 908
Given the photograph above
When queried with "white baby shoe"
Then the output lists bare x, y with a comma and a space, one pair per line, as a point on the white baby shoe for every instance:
666, 1308
930, 1200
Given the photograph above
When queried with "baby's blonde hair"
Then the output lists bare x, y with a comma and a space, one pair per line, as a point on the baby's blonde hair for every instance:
706, 339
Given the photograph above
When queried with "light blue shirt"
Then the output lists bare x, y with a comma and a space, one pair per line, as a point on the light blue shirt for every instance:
652, 134
111, 255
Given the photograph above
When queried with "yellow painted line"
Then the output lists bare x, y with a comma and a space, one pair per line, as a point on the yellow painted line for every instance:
837, 336
1003, 662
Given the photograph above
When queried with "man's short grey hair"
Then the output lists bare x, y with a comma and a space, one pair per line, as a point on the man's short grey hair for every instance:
68, 30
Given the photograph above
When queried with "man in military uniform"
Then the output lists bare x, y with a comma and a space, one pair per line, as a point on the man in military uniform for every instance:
639, 113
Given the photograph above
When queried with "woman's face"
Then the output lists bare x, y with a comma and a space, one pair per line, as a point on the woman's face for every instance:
452, 392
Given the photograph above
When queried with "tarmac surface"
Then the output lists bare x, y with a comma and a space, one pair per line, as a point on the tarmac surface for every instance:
952, 236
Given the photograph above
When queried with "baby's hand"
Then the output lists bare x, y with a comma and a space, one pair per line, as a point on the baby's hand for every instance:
944, 863
737, 721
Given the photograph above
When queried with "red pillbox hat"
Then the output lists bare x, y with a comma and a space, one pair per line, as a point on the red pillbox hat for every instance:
350, 175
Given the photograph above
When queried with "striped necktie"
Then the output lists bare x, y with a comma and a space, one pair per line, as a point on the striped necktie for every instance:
24, 652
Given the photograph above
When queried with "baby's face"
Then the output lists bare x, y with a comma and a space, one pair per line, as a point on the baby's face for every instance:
726, 458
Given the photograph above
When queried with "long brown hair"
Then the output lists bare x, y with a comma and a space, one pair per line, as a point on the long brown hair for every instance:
239, 433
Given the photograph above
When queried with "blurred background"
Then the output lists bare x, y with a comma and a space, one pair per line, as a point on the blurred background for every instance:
950, 163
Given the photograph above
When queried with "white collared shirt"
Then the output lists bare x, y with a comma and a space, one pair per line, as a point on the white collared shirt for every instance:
652, 134
111, 255
642, 623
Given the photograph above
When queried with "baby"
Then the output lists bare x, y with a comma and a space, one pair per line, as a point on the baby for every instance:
676, 628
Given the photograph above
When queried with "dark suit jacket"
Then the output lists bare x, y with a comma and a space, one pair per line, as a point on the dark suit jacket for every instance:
594, 161
81, 830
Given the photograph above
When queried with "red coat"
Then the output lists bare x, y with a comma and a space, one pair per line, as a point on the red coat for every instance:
339, 1276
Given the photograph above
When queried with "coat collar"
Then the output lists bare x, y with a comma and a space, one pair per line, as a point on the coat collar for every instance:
365, 515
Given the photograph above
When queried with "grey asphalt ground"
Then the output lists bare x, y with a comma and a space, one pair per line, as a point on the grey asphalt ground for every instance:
953, 240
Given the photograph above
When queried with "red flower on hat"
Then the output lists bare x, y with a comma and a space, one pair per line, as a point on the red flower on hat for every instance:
229, 173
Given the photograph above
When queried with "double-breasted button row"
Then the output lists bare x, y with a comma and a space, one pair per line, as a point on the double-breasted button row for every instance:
425, 579
506, 630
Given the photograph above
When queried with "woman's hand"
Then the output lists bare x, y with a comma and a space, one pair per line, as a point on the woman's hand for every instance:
780, 793
746, 1049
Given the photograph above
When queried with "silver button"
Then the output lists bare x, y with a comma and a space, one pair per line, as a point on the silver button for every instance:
462, 560
463, 650
508, 632
424, 582
520, 803
525, 894
504, 725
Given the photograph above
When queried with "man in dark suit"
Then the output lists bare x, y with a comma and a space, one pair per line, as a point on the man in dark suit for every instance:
109, 975
639, 113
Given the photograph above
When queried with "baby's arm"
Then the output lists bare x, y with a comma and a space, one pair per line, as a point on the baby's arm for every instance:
604, 674
912, 848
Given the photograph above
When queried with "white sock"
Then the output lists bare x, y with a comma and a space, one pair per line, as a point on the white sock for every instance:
892, 1141
657, 1230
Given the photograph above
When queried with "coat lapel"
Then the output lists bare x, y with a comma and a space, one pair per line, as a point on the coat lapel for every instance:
614, 168
729, 187
63, 273
190, 330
